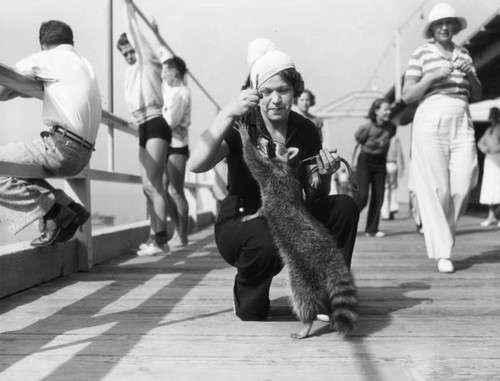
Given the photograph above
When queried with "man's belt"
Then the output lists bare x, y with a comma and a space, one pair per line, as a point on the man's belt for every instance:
72, 136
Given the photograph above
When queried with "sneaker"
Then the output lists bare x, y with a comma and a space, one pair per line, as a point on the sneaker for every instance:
153, 249
445, 266
378, 234
144, 245
488, 223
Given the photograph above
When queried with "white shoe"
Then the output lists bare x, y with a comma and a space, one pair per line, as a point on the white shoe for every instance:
177, 242
143, 245
153, 249
378, 234
445, 266
323, 317
488, 223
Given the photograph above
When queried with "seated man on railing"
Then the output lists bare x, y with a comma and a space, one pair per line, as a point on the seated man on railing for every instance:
72, 110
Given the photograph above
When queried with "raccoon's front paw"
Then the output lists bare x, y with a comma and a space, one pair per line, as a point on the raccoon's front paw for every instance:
242, 127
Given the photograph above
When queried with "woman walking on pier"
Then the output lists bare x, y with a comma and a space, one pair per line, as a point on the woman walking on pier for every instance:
441, 77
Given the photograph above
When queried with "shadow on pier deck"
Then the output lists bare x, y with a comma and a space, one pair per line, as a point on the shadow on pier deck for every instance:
170, 318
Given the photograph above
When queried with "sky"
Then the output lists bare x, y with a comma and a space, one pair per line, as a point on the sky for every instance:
339, 46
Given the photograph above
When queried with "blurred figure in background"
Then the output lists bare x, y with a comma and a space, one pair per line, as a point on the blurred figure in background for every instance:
373, 139
306, 100
489, 144
395, 166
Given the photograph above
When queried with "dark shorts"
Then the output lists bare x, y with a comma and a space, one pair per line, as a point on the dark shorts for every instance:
154, 128
178, 151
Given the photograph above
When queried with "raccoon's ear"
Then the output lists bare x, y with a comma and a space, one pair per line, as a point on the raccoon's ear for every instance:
292, 152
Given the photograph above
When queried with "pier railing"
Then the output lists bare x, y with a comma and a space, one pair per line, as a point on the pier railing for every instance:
84, 252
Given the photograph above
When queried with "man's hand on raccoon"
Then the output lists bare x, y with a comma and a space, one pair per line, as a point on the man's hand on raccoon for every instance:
328, 161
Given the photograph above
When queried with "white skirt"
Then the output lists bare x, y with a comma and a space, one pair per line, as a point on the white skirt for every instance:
490, 186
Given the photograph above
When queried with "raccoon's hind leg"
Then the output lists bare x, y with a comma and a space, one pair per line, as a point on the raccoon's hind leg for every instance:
305, 306
304, 333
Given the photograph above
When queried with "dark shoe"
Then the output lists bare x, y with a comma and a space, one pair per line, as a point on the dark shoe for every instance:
54, 227
82, 215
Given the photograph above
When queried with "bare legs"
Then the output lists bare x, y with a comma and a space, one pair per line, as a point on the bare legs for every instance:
178, 208
492, 216
152, 159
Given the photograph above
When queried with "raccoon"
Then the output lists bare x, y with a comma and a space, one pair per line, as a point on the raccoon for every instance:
319, 279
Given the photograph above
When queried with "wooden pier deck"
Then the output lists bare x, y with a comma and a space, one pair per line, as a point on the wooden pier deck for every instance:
170, 318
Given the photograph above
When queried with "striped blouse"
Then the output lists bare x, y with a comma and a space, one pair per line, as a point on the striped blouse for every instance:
427, 59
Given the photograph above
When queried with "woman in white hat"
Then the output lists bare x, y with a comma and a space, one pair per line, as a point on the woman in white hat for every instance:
249, 246
441, 77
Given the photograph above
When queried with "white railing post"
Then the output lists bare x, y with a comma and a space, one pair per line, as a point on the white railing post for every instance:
111, 140
79, 190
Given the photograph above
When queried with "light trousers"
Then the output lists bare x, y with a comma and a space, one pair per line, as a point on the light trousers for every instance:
390, 204
25, 200
444, 165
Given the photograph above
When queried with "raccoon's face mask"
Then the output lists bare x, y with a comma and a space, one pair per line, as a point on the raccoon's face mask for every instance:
272, 150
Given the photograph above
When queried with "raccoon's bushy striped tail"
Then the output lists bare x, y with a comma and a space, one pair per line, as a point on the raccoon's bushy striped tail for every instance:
343, 304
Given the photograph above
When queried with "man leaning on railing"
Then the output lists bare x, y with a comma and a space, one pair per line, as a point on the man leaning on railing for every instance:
72, 110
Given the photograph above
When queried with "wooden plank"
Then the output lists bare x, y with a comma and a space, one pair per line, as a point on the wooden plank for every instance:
143, 318
20, 83
22, 170
79, 190
115, 177
10, 78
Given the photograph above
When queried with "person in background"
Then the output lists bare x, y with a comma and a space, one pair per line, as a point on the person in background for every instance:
395, 165
373, 139
249, 246
489, 144
72, 110
177, 113
143, 95
441, 76
305, 101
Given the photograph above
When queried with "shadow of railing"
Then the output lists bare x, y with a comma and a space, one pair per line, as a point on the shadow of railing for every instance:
200, 191
104, 314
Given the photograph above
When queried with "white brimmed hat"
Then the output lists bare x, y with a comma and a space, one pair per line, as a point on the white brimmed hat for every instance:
264, 61
442, 11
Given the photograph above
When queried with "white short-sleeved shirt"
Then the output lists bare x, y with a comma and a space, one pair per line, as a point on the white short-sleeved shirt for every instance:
177, 113
71, 96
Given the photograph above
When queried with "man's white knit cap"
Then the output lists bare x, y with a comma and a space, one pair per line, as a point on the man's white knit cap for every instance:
264, 61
